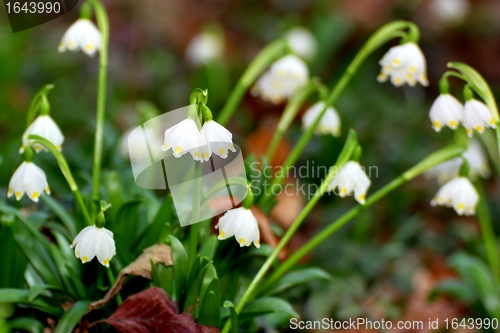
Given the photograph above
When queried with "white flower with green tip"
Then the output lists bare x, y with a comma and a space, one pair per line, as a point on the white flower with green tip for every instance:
184, 138
446, 111
29, 179
477, 117
458, 193
351, 179
218, 139
329, 123
240, 223
45, 127
94, 242
83, 35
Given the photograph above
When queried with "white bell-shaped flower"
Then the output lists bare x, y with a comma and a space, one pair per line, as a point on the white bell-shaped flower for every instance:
302, 42
458, 193
45, 127
478, 160
477, 117
204, 48
329, 123
94, 242
218, 139
404, 64
240, 223
351, 179
29, 179
446, 111
184, 138
83, 35
282, 80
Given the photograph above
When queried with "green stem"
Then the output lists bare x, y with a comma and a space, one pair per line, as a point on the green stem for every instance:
112, 281
380, 37
63, 165
35, 103
489, 238
427, 163
102, 20
269, 54
342, 159
291, 110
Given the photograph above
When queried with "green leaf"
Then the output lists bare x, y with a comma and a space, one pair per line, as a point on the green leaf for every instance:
115, 193
455, 288
21, 296
12, 260
265, 305
155, 232
72, 317
180, 259
125, 227
163, 277
195, 288
235, 327
28, 324
35, 291
295, 278
208, 277
209, 312
61, 212
209, 247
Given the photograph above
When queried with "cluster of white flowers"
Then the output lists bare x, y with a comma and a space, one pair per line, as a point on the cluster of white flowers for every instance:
351, 179
282, 79
404, 64
83, 35
329, 123
448, 111
185, 137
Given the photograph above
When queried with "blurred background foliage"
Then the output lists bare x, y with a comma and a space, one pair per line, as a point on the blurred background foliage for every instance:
384, 264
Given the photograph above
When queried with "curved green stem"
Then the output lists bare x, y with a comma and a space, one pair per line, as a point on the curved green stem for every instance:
102, 20
269, 54
380, 37
343, 158
489, 238
63, 165
291, 110
427, 163
35, 103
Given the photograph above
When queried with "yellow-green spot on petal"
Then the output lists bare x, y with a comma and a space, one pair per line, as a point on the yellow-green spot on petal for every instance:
437, 124
37, 148
412, 69
492, 121
479, 128
397, 80
205, 155
106, 262
382, 76
222, 233
164, 146
85, 259
35, 195
343, 190
242, 240
222, 151
196, 154
257, 242
281, 73
18, 195
277, 85
9, 192
441, 199
362, 197
469, 131
47, 190
396, 61
71, 43
453, 123
178, 149
388, 68
89, 47
460, 206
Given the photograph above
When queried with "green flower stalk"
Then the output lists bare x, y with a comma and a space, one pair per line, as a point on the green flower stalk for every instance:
103, 22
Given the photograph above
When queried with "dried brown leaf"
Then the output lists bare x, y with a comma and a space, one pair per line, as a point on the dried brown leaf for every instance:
159, 253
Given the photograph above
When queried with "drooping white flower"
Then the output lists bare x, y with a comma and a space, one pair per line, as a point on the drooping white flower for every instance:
351, 179
45, 127
475, 156
240, 223
478, 161
329, 123
450, 11
218, 139
29, 179
281, 81
445, 171
184, 138
477, 117
404, 64
458, 193
302, 42
204, 48
83, 35
94, 242
446, 111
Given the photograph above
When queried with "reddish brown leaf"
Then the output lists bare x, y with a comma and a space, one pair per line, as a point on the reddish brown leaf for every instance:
152, 311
